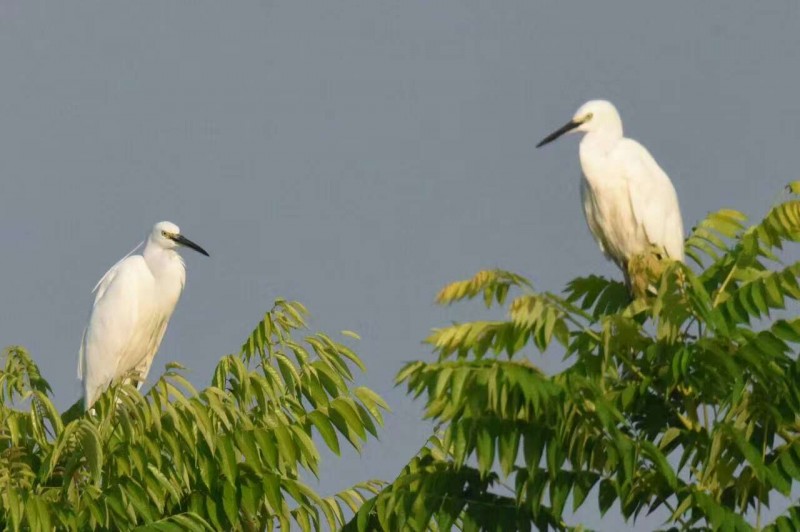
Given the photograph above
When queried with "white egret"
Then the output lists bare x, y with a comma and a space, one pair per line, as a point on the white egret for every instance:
134, 302
630, 204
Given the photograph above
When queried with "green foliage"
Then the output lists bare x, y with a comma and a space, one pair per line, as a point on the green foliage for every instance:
687, 399
228, 457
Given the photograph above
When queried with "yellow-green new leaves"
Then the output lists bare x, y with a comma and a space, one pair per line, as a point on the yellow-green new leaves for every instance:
493, 284
230, 456
536, 316
781, 224
539, 317
712, 235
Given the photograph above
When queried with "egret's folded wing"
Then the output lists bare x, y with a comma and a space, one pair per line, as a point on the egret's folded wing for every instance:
589, 209
654, 202
111, 332
109, 275
81, 356
99, 289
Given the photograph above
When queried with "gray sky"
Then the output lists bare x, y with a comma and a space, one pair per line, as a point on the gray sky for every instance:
356, 156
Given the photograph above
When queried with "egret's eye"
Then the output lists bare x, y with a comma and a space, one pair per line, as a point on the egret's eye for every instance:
164, 234
588, 117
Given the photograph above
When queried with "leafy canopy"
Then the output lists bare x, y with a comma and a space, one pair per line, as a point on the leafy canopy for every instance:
228, 457
687, 399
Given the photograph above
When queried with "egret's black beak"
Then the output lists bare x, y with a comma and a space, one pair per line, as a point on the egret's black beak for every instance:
182, 240
566, 128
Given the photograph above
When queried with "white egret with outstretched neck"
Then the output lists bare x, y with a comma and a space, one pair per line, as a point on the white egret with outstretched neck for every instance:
630, 204
134, 302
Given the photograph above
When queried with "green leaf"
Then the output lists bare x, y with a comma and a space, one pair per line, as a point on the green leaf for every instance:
326, 430
584, 482
230, 502
661, 464
607, 495
485, 450
227, 458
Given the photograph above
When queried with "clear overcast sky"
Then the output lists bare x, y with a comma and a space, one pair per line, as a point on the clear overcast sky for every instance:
357, 156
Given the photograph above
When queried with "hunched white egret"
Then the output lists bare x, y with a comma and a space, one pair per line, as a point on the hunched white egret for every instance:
630, 204
134, 302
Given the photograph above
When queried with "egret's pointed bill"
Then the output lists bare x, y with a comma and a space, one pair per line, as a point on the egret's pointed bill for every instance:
566, 128
182, 240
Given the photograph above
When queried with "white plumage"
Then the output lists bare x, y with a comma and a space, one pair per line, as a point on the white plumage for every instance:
629, 202
133, 304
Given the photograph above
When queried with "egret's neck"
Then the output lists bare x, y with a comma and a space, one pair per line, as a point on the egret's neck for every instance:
603, 139
165, 264
594, 153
